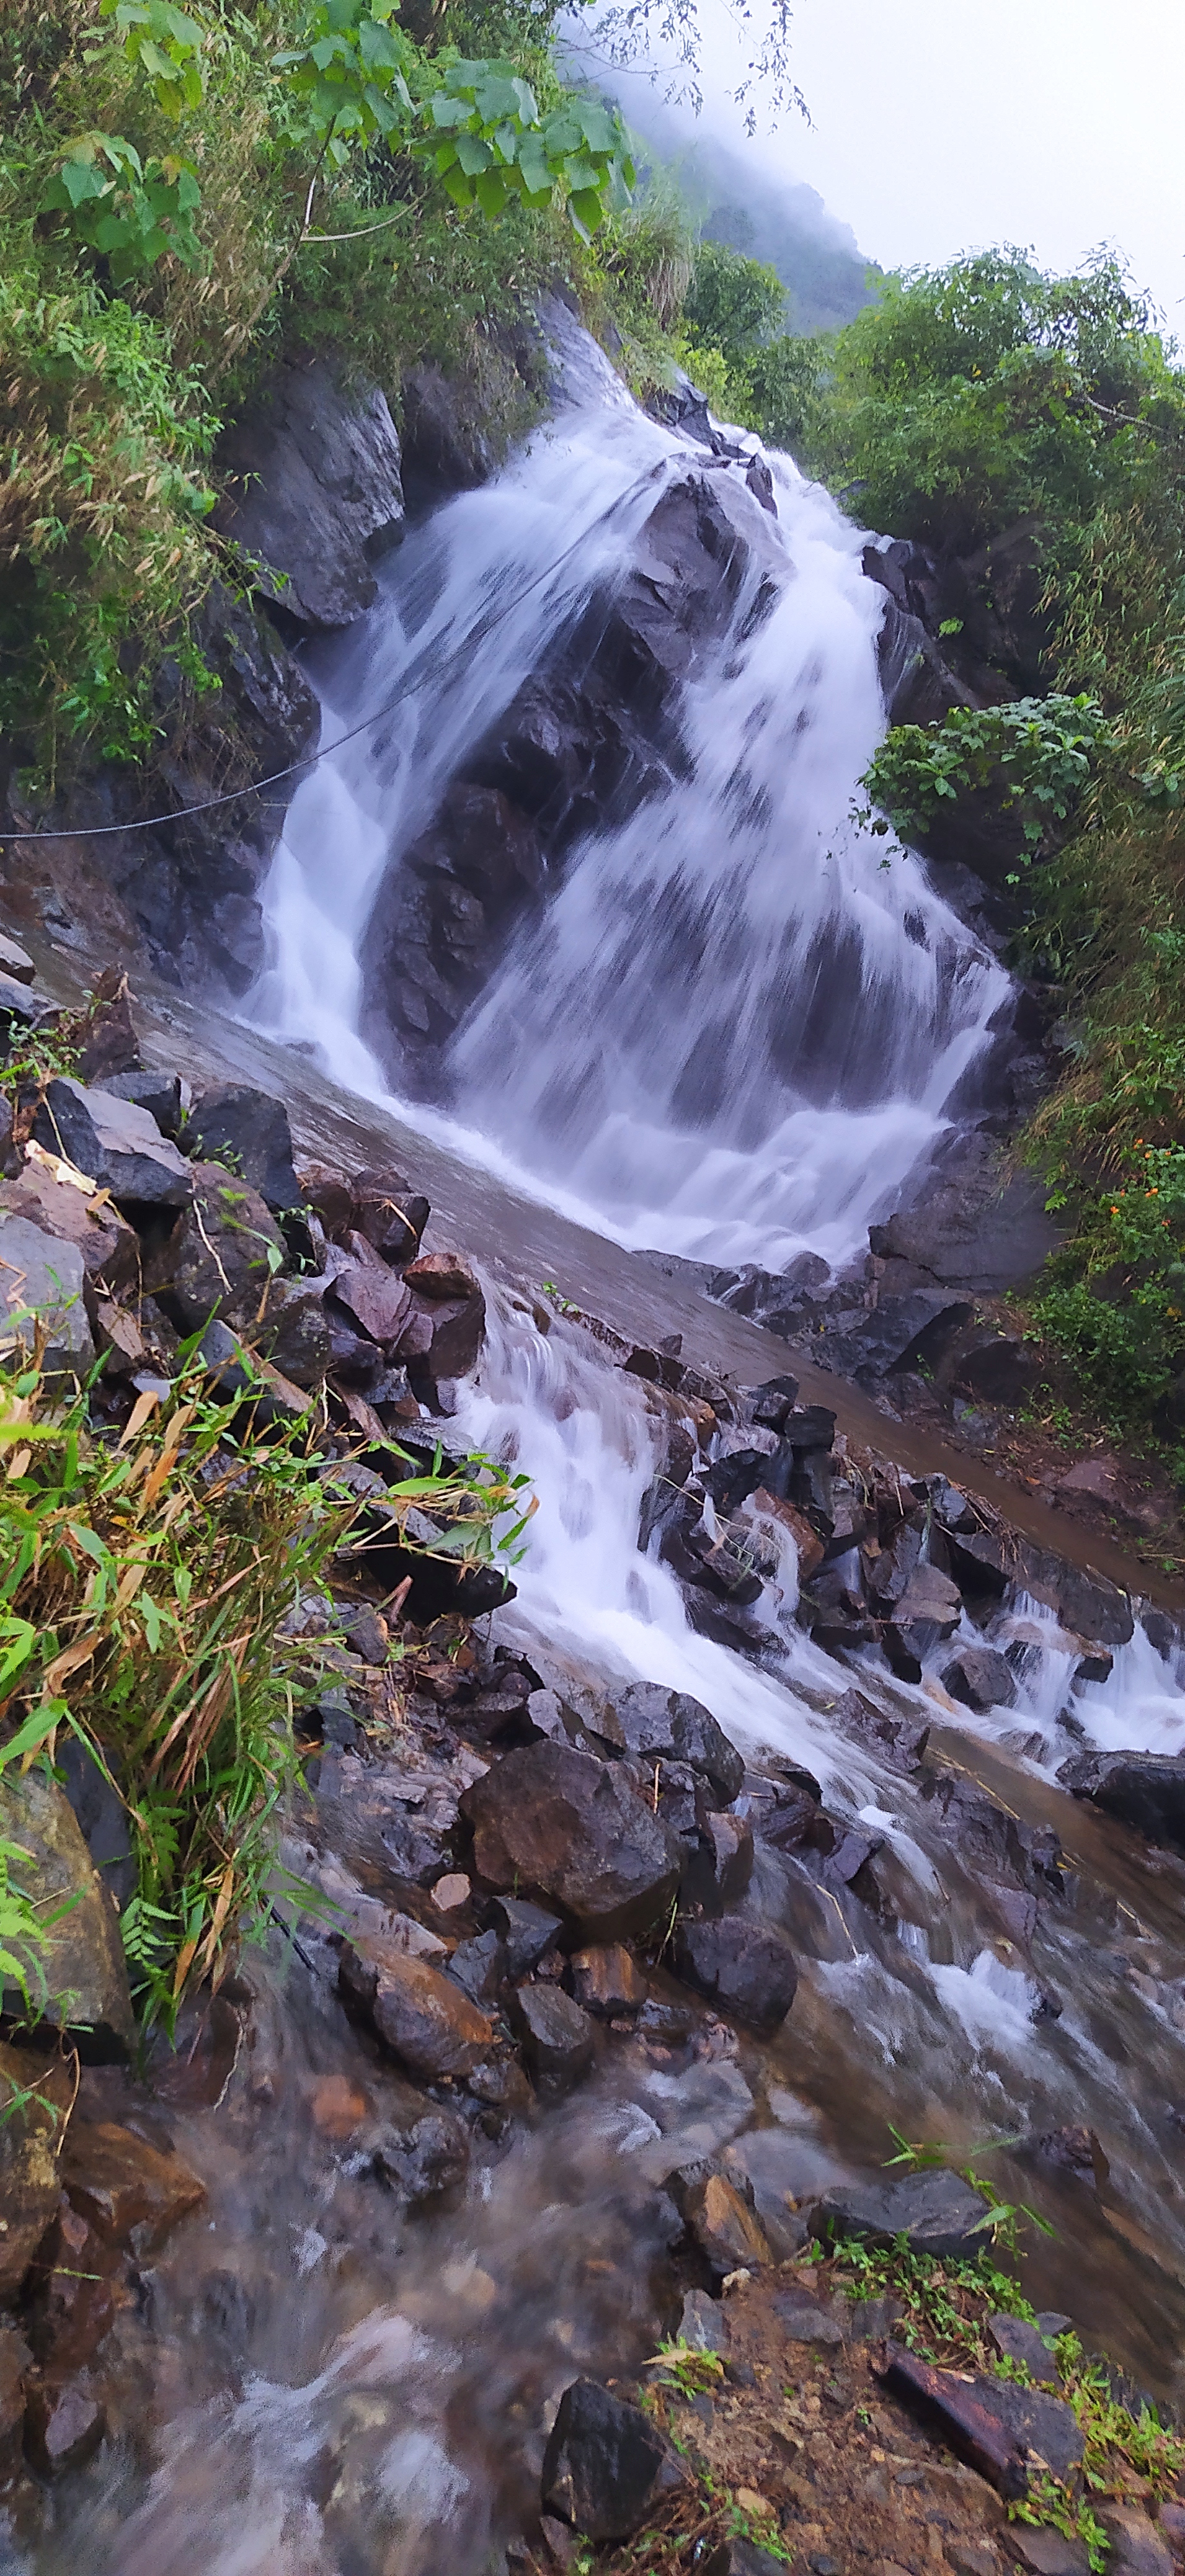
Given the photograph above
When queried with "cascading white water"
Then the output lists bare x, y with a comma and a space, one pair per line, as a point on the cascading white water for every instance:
734, 1028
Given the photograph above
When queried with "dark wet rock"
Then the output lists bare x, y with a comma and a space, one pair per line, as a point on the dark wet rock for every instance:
235, 1369
527, 1931
719, 1863
722, 2221
15, 961
14, 2361
118, 2182
901, 1740
424, 2018
1074, 2149
996, 2425
928, 1610
102, 1817
294, 1332
114, 1143
981, 1560
1016, 2340
703, 2323
1085, 1603
64, 2426
441, 1340
311, 488
71, 2305
606, 2467
570, 1828
557, 2036
86, 1993
739, 2557
937, 2213
479, 1967
981, 1678
41, 1286
642, 1718
446, 443
1097, 1666
247, 1130
443, 917
992, 1842
376, 1301
1144, 1790
158, 1093
746, 1969
220, 1256
35, 2096
607, 1982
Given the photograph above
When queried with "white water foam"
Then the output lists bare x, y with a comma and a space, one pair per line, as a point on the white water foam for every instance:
733, 1030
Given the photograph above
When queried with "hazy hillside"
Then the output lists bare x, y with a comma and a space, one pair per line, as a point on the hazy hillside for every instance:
783, 222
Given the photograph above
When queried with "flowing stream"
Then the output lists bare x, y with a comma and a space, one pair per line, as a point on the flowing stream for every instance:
325, 2387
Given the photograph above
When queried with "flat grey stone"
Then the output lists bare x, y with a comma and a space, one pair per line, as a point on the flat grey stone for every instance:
937, 2213
41, 1277
115, 1142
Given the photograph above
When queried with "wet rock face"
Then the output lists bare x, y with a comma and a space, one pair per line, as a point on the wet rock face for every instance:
30, 2143
114, 1142
605, 2467
644, 1719
747, 1969
120, 2184
571, 1828
248, 1130
579, 747
221, 1255
311, 476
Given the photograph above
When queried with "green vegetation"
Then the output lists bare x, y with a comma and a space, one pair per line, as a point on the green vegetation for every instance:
1030, 430
180, 191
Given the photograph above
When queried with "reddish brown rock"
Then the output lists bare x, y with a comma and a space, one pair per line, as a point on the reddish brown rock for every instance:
118, 2182
73, 2300
442, 1275
422, 2017
14, 2362
374, 1296
726, 2230
806, 1540
608, 1982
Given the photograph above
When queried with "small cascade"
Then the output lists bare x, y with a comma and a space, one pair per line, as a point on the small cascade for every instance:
732, 1027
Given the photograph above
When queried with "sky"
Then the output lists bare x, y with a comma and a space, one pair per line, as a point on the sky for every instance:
945, 125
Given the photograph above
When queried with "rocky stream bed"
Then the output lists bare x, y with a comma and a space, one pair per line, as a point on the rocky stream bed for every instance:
611, 1986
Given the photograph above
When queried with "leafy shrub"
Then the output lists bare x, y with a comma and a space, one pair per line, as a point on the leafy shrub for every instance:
1032, 759
143, 1580
733, 304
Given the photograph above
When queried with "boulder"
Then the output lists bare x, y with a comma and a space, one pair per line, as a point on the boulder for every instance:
442, 918
802, 2320
441, 1341
527, 1932
746, 1969
221, 1256
120, 2184
571, 1828
110, 1248
1137, 2548
606, 2466
719, 1862
80, 1983
936, 2212
373, 1297
1016, 2340
158, 1093
419, 2149
608, 1982
703, 2323
727, 2231
423, 2017
114, 1142
981, 1678
248, 1131
557, 2036
35, 2097
388, 1211
104, 1821
642, 1718
311, 488
41, 1286
72, 2303
295, 1332
1085, 1603
1146, 1790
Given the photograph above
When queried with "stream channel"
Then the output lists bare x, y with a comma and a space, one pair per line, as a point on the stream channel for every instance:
728, 1034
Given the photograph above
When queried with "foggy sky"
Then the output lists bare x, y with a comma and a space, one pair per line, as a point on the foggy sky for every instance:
946, 125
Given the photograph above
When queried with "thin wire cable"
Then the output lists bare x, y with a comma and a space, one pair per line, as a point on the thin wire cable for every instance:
256, 786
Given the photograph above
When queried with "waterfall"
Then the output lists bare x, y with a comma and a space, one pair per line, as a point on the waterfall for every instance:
733, 1027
